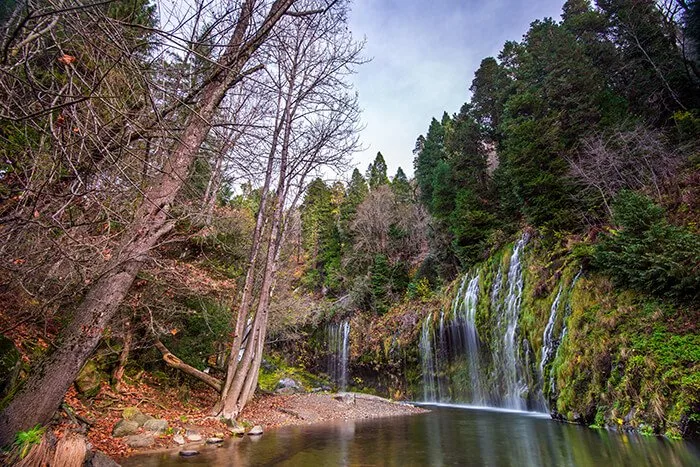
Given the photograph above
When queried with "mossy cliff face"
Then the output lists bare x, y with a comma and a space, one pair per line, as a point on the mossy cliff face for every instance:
611, 357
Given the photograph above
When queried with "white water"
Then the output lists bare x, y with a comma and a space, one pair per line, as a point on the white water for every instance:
494, 376
339, 352
549, 344
428, 361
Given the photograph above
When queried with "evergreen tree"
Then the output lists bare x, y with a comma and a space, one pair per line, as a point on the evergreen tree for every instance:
401, 186
376, 172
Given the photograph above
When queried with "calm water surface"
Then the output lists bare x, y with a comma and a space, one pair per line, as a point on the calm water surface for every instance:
445, 436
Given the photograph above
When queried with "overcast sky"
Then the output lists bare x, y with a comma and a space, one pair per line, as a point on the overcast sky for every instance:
424, 54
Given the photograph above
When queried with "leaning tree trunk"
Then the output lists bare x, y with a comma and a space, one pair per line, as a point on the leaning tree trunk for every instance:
44, 390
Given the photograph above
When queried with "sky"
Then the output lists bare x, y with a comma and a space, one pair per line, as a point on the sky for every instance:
423, 57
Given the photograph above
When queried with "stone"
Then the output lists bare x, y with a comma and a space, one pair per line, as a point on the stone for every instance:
156, 425
89, 380
124, 428
193, 436
237, 430
214, 440
346, 397
189, 453
100, 459
179, 439
134, 414
255, 431
140, 441
10, 365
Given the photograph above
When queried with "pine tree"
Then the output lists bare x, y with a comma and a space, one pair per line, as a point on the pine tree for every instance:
376, 172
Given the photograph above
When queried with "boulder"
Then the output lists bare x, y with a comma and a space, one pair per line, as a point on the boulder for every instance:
193, 436
100, 459
156, 425
89, 380
179, 439
124, 428
346, 397
10, 364
214, 440
140, 441
255, 431
134, 414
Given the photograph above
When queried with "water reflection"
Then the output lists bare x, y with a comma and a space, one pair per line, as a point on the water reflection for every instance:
446, 436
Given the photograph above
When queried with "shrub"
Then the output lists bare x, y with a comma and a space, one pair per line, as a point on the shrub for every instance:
649, 254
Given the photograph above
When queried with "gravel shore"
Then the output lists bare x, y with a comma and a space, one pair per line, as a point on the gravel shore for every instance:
301, 409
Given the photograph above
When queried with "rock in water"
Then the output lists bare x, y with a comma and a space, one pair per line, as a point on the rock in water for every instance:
214, 440
156, 425
256, 431
189, 453
237, 430
140, 441
179, 439
124, 428
193, 436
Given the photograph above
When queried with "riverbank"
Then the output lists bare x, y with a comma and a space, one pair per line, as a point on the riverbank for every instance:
109, 409
303, 409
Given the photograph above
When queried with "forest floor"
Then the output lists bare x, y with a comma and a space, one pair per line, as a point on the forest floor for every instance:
269, 410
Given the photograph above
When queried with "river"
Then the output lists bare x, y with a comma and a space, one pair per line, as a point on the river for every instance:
445, 436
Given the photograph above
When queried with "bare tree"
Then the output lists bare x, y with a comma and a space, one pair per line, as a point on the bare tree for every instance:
252, 23
640, 158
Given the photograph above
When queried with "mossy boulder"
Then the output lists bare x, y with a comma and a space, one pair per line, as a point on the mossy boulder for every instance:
10, 364
156, 425
89, 380
124, 428
134, 414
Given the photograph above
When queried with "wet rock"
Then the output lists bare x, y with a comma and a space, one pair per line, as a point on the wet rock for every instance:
124, 428
237, 430
189, 453
140, 441
214, 440
193, 436
156, 425
257, 430
179, 439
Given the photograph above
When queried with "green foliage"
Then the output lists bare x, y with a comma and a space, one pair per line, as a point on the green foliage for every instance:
376, 172
380, 283
25, 440
195, 338
274, 368
648, 253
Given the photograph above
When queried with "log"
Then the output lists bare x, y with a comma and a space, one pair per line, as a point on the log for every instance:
174, 362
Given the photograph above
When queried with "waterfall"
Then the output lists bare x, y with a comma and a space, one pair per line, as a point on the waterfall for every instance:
427, 361
339, 352
564, 329
494, 375
471, 339
549, 344
513, 383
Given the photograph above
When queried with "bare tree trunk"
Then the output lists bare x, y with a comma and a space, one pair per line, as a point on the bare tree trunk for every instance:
123, 358
44, 390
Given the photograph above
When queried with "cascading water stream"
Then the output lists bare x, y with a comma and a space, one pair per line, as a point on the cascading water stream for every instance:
549, 343
339, 347
513, 384
427, 361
